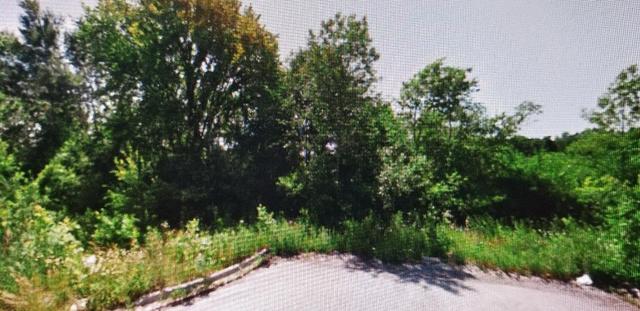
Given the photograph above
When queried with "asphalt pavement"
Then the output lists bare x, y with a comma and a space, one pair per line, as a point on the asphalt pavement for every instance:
344, 282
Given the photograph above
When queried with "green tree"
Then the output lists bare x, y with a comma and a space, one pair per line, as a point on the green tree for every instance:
456, 135
330, 88
193, 86
40, 106
442, 90
619, 112
506, 126
619, 108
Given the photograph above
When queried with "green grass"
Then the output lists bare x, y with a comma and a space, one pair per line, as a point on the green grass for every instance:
176, 256
166, 258
398, 241
169, 257
560, 253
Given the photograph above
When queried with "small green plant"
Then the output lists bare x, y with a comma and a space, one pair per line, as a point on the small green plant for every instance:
115, 227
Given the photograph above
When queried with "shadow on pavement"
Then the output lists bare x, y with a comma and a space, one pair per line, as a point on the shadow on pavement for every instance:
430, 272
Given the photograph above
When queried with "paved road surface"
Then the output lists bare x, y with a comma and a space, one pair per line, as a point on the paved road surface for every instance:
343, 282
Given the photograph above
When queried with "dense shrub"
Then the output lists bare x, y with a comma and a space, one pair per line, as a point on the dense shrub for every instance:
622, 221
64, 182
401, 239
35, 241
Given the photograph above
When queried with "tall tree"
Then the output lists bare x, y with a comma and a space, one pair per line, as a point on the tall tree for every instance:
442, 116
457, 136
619, 112
331, 91
439, 89
619, 108
40, 109
193, 86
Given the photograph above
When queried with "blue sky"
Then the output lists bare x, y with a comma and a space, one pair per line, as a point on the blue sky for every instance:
560, 54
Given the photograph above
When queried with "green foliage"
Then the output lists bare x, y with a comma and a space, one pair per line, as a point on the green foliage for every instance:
403, 242
330, 90
265, 219
405, 181
135, 190
583, 180
115, 227
40, 108
438, 89
10, 175
193, 87
195, 122
290, 238
622, 221
116, 277
542, 186
360, 237
65, 180
398, 241
601, 194
560, 169
34, 240
619, 108
504, 126
564, 252
112, 277
453, 132
609, 153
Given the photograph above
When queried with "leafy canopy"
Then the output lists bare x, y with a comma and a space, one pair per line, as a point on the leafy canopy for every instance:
619, 108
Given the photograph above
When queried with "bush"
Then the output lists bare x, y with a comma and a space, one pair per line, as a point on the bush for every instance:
360, 237
115, 227
117, 276
169, 257
615, 206
395, 242
34, 239
38, 250
403, 242
623, 223
64, 182
133, 196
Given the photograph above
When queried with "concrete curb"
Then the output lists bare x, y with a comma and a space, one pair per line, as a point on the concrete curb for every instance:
174, 294
162, 298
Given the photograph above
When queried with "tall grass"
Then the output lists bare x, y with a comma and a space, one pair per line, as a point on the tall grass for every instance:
175, 256
116, 277
119, 276
562, 252
396, 241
